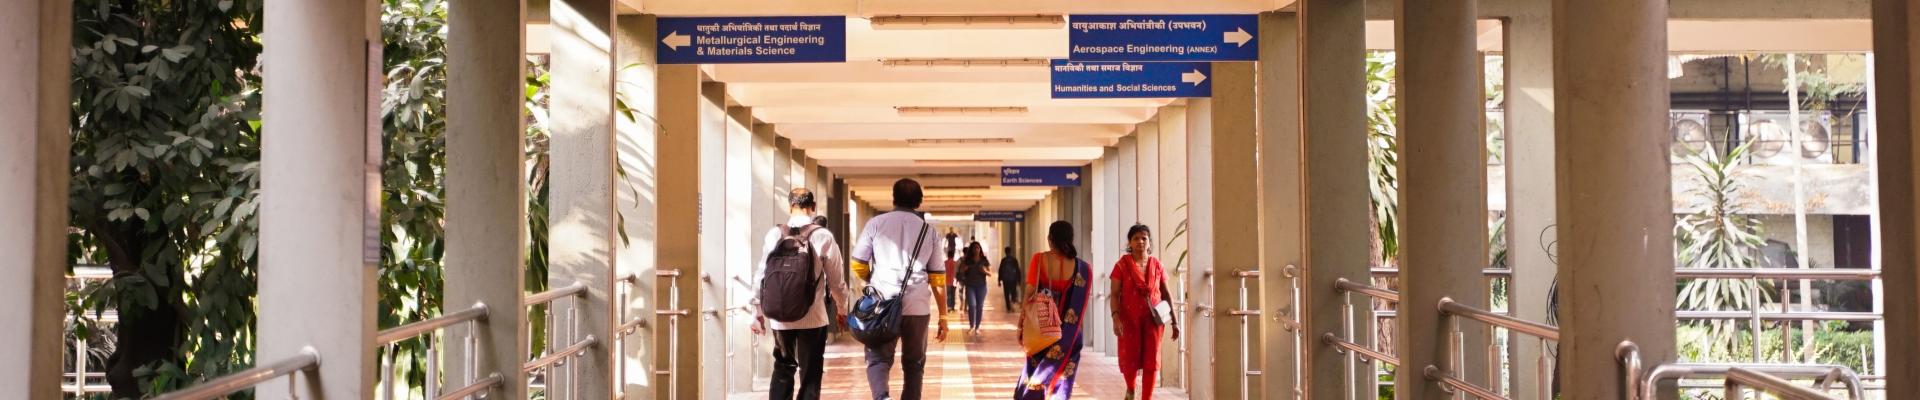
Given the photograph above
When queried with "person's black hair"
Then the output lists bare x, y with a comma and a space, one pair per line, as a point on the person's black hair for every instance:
1138, 228
801, 197
820, 220
1009, 250
907, 194
1060, 235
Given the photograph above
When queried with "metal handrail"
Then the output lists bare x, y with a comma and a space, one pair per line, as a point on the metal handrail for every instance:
492, 380
1645, 387
307, 359
1739, 378
1341, 345
555, 357
1544, 331
1388, 295
1452, 383
1781, 316
476, 313
577, 288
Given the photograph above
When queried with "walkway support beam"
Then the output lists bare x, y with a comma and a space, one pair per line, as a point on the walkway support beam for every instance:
1896, 49
1530, 187
582, 223
34, 141
1282, 202
1226, 230
1333, 145
486, 188
637, 197
320, 214
679, 211
1443, 201
1616, 231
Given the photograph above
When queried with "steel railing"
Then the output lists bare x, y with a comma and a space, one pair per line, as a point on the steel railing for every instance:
1645, 386
243, 380
632, 326
1244, 313
1740, 378
471, 316
79, 387
1451, 312
545, 364
1344, 343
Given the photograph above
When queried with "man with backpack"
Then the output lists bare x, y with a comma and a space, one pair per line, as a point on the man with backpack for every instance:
906, 281
800, 283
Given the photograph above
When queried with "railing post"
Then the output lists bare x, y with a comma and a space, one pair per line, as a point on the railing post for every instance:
320, 214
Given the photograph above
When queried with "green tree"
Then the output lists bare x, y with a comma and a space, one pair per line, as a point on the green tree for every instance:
1383, 147
1718, 237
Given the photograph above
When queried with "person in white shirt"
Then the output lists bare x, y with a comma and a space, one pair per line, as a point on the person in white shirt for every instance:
885, 253
800, 346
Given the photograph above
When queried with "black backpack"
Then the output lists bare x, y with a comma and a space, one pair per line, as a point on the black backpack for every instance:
787, 289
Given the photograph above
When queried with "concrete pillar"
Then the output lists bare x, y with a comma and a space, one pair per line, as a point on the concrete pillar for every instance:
637, 143
1173, 210
1128, 158
486, 190
34, 104
679, 188
1282, 201
1530, 188
1443, 201
1105, 251
713, 233
1333, 76
583, 236
739, 237
1616, 231
1147, 177
1226, 229
771, 181
320, 216
1896, 48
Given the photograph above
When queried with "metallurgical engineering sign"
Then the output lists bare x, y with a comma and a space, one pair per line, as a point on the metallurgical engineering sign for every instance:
746, 40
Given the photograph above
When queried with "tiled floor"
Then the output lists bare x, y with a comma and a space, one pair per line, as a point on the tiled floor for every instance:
971, 367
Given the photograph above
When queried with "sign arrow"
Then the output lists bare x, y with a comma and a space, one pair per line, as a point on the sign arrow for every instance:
1194, 77
676, 40
1239, 37
1073, 176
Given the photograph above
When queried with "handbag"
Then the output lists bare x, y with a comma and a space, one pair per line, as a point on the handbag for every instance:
1162, 312
1040, 315
875, 319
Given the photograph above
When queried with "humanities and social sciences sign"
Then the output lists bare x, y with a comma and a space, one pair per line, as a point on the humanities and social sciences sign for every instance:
1039, 176
738, 40
1119, 80
1163, 37
1000, 216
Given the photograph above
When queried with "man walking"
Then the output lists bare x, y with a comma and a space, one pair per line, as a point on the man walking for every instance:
799, 286
893, 246
1011, 278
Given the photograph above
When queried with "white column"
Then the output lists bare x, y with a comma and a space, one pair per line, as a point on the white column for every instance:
1225, 228
738, 237
1173, 210
582, 235
1616, 231
1282, 201
1443, 201
771, 181
637, 150
680, 245
1896, 65
712, 270
34, 140
1333, 89
486, 193
1104, 251
1530, 188
320, 211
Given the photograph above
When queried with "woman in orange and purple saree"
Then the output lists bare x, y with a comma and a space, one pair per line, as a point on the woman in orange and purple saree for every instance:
1059, 279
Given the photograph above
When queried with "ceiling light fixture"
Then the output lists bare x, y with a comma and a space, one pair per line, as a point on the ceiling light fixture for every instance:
960, 111
969, 22
958, 163
958, 142
964, 63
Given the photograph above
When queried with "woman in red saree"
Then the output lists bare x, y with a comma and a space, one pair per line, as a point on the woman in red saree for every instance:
1139, 284
1062, 276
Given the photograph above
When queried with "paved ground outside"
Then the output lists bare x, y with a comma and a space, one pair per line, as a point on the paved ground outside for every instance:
970, 367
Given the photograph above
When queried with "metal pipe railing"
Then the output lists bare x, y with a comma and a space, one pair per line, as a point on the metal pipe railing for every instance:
1738, 379
1543, 331
1780, 316
476, 313
1454, 384
1343, 347
556, 357
1385, 294
238, 381
471, 316
1244, 313
1646, 387
491, 381
575, 289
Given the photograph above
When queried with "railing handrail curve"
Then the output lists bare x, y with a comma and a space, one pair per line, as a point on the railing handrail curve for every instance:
555, 357
1389, 295
1737, 377
308, 358
1543, 331
476, 313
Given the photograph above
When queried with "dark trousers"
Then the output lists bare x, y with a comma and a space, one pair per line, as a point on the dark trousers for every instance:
802, 351
913, 331
1012, 292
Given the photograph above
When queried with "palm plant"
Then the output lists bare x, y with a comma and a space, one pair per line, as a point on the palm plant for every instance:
1717, 237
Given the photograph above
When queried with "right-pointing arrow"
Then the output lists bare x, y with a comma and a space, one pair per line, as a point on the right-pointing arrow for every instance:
675, 40
1239, 37
1194, 77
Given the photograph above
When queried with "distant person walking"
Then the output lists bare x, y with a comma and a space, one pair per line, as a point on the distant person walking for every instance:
953, 247
1050, 318
899, 259
1011, 279
798, 287
974, 270
1140, 310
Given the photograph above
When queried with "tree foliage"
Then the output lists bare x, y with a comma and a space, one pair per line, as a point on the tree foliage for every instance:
1383, 158
1717, 237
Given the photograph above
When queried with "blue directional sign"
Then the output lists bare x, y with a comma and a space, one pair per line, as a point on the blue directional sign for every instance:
1163, 38
1040, 176
1121, 80
740, 40
999, 216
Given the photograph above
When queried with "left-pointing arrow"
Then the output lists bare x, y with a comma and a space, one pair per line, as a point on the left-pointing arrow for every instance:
1194, 77
675, 40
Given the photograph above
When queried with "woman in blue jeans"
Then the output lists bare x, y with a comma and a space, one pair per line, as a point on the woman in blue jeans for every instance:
974, 271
